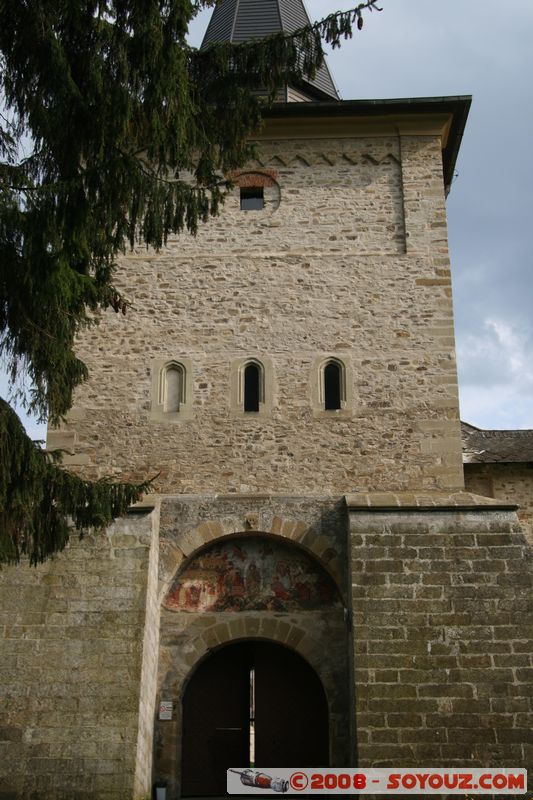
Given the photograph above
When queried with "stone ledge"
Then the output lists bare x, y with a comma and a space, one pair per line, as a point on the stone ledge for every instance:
141, 508
424, 501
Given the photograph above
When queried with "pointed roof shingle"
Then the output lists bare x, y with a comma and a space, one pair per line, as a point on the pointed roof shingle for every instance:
241, 20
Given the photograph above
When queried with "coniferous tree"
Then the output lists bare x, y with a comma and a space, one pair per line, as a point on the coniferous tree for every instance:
115, 108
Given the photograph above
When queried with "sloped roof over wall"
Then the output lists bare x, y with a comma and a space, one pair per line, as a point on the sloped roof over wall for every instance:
242, 20
492, 447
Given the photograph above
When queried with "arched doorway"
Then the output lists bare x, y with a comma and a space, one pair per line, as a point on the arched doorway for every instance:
251, 589
251, 701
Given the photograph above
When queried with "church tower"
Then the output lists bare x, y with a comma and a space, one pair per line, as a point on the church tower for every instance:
309, 583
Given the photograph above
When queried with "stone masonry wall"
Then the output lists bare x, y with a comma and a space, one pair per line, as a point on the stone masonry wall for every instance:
443, 637
353, 263
70, 672
511, 482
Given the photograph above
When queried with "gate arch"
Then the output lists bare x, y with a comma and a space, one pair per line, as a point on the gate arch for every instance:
294, 603
251, 703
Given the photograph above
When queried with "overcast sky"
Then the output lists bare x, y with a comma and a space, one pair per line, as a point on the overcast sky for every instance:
484, 48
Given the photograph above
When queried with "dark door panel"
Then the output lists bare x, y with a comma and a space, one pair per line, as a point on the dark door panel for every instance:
215, 723
291, 711
291, 716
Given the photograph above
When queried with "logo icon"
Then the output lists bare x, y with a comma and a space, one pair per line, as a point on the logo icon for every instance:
252, 777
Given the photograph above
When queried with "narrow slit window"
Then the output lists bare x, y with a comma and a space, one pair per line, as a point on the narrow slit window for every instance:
252, 198
252, 387
332, 386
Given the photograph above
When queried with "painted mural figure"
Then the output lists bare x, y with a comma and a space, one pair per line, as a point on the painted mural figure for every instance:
248, 575
253, 582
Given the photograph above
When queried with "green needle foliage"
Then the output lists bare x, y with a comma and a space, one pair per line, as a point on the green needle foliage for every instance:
116, 110
39, 501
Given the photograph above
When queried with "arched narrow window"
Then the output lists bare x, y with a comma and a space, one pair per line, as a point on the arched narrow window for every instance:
252, 386
172, 388
333, 386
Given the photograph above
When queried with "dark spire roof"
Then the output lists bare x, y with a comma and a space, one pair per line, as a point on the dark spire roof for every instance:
241, 20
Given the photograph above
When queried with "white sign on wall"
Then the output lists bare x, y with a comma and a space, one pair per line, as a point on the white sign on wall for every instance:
165, 709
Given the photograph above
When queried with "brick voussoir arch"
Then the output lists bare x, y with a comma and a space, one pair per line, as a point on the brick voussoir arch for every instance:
246, 627
292, 636
290, 529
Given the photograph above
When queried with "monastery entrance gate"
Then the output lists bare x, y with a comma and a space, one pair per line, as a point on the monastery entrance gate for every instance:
251, 703
254, 659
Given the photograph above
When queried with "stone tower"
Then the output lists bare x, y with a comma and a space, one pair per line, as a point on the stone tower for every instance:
289, 375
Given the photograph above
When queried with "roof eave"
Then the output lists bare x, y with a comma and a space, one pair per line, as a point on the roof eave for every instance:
317, 94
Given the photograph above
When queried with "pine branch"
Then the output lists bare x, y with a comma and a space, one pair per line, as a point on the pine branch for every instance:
338, 25
40, 503
333, 28
118, 107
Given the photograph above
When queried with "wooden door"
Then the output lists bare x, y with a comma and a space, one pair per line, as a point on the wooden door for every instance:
216, 713
289, 708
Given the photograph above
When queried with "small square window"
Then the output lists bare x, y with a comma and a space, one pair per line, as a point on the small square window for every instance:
252, 198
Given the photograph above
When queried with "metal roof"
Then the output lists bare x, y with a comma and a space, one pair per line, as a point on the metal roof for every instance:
242, 20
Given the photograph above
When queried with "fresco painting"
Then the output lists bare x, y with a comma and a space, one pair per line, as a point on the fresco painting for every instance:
252, 575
